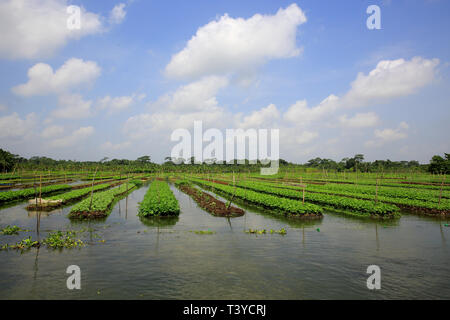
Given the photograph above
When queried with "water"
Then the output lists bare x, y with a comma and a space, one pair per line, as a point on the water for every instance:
164, 259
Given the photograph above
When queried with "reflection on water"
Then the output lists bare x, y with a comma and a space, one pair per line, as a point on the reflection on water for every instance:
162, 258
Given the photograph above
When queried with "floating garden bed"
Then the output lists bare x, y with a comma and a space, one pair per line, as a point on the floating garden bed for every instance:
278, 205
65, 198
361, 207
159, 201
208, 202
24, 194
101, 203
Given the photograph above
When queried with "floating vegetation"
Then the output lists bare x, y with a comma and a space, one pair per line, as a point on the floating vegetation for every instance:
271, 202
159, 201
201, 232
61, 239
282, 231
54, 240
24, 244
100, 204
11, 230
31, 192
208, 202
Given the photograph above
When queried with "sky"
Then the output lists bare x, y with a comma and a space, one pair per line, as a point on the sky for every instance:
135, 71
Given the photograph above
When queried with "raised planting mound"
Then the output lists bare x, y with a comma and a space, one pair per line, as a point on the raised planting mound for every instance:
355, 207
208, 202
159, 201
269, 202
64, 198
101, 203
24, 194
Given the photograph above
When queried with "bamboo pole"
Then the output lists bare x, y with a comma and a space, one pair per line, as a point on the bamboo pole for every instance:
92, 190
40, 190
376, 193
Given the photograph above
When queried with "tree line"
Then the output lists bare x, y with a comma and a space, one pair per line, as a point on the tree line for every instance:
10, 162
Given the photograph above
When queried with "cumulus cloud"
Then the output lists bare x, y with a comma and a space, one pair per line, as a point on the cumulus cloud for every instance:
37, 28
52, 131
231, 44
390, 79
74, 138
117, 14
360, 120
259, 118
13, 126
115, 104
194, 101
195, 96
72, 106
300, 114
388, 135
43, 80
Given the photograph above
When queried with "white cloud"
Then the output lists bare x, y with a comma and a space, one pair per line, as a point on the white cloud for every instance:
115, 104
109, 146
235, 44
37, 28
191, 102
74, 138
300, 114
390, 79
13, 126
360, 120
117, 14
195, 96
72, 106
43, 80
52, 131
388, 135
260, 118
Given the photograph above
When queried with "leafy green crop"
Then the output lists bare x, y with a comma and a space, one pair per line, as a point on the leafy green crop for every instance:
265, 200
411, 197
101, 202
358, 205
31, 192
79, 193
159, 201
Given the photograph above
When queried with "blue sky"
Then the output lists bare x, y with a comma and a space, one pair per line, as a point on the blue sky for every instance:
122, 83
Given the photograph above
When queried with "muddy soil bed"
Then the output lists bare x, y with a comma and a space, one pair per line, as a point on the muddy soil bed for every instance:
211, 204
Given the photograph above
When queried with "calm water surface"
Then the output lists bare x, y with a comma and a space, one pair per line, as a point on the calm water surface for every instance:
165, 259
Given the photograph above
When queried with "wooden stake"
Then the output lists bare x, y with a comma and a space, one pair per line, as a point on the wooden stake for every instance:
376, 193
40, 190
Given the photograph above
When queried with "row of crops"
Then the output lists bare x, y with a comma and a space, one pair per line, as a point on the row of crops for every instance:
24, 194
266, 201
413, 198
159, 201
100, 204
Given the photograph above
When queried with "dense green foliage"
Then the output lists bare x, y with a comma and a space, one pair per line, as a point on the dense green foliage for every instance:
265, 200
7, 196
159, 201
79, 193
101, 201
361, 206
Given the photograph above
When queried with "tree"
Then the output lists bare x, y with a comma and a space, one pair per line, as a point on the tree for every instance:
143, 159
439, 164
